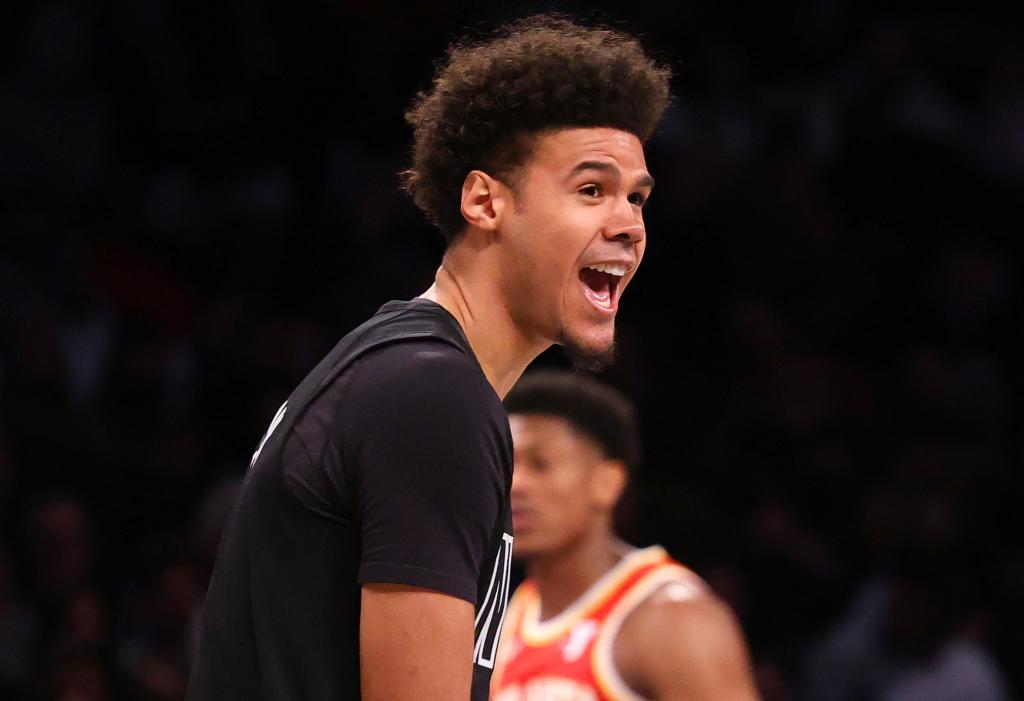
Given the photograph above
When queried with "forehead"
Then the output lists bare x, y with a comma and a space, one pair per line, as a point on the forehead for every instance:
543, 431
563, 149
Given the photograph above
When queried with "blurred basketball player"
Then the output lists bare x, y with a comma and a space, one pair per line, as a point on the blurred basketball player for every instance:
369, 553
597, 619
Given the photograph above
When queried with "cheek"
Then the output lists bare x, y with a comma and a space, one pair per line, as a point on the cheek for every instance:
563, 231
640, 249
569, 497
543, 256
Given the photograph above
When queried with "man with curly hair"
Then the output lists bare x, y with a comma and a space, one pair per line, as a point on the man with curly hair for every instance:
369, 553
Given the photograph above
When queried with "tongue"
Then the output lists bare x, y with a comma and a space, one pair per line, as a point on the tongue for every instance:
597, 282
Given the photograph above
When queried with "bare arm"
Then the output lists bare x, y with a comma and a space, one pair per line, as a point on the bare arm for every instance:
414, 644
672, 650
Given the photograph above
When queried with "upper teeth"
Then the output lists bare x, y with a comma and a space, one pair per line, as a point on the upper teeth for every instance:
617, 269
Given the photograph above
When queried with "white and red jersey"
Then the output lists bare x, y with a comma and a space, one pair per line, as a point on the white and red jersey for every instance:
569, 657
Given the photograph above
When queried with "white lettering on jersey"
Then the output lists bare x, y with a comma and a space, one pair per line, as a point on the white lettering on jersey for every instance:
491, 616
273, 424
581, 635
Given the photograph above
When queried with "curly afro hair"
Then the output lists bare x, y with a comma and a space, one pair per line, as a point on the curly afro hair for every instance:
538, 74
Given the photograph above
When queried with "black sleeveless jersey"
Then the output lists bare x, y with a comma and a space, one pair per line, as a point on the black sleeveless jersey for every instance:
391, 462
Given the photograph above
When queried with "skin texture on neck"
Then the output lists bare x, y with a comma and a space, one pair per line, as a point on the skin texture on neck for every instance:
564, 576
463, 287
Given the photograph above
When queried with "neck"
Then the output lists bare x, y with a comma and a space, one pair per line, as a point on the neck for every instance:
470, 294
563, 576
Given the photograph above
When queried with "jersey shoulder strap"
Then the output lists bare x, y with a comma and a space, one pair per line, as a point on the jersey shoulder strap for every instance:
678, 581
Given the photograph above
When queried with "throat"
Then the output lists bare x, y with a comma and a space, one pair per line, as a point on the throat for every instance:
564, 577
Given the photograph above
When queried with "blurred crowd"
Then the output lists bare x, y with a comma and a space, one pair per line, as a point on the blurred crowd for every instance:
200, 198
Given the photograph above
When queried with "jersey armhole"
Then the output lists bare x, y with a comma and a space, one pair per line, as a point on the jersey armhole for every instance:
606, 673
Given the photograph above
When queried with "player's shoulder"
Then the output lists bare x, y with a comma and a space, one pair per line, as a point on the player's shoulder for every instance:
423, 365
682, 626
685, 609
428, 380
667, 596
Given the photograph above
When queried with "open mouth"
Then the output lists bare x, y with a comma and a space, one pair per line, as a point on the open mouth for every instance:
601, 284
522, 518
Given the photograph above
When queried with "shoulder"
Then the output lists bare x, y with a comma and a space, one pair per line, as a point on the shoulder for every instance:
427, 378
684, 640
428, 393
420, 365
678, 615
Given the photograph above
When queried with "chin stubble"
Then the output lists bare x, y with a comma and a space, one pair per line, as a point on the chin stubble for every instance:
585, 359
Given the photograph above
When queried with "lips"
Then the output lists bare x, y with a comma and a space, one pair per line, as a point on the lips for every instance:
522, 518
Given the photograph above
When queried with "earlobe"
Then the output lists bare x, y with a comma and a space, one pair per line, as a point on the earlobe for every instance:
481, 200
611, 482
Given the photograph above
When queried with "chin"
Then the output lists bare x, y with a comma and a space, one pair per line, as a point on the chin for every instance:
537, 548
525, 549
592, 354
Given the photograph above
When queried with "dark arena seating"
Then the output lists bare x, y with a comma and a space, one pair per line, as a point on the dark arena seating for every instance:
824, 339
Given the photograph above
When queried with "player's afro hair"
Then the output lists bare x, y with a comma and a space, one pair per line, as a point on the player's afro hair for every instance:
541, 73
594, 409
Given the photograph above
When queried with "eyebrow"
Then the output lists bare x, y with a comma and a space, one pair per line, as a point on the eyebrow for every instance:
644, 180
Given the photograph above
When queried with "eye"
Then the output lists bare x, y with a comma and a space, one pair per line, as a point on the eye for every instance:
638, 199
592, 190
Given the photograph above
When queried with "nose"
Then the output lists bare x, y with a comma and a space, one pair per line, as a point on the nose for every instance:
519, 478
626, 223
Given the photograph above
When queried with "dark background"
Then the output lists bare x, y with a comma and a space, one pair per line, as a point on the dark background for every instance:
199, 198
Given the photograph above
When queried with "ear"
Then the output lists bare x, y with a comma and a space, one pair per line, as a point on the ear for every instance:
609, 482
483, 200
